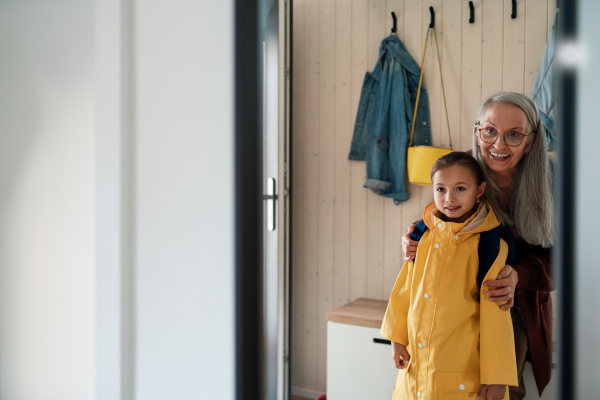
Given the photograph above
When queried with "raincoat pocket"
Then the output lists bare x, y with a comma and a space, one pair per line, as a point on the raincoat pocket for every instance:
457, 385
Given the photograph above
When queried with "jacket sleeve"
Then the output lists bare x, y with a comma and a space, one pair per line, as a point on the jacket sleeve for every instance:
496, 340
533, 264
394, 325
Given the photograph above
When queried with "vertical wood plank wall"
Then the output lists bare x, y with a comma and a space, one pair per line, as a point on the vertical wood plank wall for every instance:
345, 239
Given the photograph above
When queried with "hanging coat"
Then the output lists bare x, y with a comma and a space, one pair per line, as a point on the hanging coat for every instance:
384, 118
456, 341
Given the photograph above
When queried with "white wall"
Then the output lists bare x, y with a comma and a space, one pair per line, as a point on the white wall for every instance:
116, 200
47, 164
165, 148
184, 212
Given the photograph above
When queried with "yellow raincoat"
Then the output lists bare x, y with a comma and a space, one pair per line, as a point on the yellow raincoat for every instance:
455, 341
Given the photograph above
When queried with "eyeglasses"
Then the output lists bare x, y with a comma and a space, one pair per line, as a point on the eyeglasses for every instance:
512, 138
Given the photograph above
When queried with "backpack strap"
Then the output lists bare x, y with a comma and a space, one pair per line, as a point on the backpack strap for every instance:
489, 246
508, 237
419, 230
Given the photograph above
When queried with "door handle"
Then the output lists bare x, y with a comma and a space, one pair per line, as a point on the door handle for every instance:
270, 197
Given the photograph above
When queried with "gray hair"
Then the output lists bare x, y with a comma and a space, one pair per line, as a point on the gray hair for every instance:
532, 202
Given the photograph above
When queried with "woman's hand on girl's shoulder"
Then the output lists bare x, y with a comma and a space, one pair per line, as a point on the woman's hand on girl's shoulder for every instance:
505, 285
409, 246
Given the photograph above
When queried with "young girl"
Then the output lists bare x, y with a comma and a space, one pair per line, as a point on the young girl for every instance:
445, 342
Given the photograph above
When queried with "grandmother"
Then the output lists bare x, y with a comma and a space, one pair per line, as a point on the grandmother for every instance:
509, 143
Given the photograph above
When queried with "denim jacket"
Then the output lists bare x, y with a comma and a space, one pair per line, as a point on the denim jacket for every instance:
545, 89
384, 118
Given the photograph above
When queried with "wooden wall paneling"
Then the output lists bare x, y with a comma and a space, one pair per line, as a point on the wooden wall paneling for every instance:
310, 134
513, 69
343, 137
451, 67
392, 223
492, 48
375, 203
297, 201
413, 36
431, 77
439, 130
536, 34
433, 83
413, 30
358, 194
471, 73
325, 178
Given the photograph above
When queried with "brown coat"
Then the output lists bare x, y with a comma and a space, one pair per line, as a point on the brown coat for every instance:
533, 263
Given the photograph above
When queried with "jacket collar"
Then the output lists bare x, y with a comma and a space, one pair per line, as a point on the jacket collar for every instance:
482, 220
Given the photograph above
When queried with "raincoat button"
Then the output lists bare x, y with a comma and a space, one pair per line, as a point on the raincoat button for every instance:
456, 237
420, 345
440, 225
462, 387
426, 295
437, 246
418, 394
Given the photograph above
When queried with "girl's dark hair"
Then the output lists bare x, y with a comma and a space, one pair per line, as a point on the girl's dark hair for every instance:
461, 159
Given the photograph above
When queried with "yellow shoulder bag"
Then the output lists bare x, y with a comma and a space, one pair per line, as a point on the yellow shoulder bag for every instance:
420, 159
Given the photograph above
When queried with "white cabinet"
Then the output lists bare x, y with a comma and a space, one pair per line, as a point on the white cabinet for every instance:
359, 365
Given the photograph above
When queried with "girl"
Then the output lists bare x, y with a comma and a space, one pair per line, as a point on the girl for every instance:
446, 343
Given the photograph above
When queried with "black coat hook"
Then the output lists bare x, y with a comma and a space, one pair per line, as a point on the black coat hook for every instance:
514, 9
395, 22
432, 23
472, 13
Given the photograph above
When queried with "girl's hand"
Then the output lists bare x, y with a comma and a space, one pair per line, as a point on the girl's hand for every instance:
409, 246
494, 392
505, 284
400, 355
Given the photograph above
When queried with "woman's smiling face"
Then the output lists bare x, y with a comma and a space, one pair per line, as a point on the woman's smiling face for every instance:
504, 118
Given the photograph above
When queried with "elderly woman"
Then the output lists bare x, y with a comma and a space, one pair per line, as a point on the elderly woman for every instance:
509, 143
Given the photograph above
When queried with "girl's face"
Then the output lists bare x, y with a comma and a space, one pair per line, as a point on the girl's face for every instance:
504, 118
455, 192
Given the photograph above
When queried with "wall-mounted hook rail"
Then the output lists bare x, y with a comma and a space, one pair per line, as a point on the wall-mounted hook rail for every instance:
513, 15
471, 13
395, 22
432, 23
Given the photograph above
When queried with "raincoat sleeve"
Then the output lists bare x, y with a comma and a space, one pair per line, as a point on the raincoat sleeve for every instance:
394, 325
497, 347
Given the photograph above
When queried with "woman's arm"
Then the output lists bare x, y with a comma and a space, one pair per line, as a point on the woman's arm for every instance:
409, 246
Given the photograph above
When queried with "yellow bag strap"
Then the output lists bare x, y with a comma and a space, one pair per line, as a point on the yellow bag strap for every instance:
412, 129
